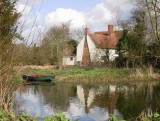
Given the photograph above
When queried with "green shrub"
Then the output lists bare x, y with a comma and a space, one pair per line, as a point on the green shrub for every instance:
59, 117
113, 118
4, 116
152, 117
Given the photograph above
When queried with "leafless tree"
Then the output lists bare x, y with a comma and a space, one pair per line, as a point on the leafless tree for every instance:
56, 40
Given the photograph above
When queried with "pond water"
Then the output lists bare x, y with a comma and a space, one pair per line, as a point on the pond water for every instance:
89, 103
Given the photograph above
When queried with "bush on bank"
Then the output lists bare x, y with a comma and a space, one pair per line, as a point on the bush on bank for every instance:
5, 116
151, 117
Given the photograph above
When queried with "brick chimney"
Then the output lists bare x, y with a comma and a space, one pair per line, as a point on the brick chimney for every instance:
87, 31
110, 29
86, 55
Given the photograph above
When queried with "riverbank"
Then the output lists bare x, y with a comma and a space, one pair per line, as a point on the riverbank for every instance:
98, 75
6, 116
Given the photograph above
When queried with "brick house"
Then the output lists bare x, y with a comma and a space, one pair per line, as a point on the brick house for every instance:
98, 46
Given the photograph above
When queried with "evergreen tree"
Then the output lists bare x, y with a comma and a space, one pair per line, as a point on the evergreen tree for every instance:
8, 32
132, 46
8, 54
8, 21
72, 42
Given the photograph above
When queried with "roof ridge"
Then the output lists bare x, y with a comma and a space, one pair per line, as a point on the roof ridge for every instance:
102, 40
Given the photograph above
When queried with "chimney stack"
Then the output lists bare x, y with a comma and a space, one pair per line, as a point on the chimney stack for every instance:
110, 29
87, 31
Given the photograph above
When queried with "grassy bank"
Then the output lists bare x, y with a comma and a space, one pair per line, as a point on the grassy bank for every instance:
97, 74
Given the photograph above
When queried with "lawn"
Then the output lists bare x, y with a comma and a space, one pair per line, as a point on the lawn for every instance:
97, 74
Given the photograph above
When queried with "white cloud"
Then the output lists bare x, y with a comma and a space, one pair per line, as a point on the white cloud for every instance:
30, 2
23, 9
64, 15
29, 23
33, 35
97, 19
124, 5
25, 20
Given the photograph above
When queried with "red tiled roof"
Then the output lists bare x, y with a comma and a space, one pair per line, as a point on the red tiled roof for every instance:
119, 34
103, 40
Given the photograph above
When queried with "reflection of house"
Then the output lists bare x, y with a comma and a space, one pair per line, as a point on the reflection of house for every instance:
99, 46
69, 57
98, 97
87, 95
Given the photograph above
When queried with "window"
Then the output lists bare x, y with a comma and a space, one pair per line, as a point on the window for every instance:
71, 58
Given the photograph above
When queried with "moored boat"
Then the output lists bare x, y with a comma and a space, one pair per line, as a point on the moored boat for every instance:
37, 78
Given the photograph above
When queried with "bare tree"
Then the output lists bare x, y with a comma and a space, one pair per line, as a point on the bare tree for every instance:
152, 9
78, 34
56, 39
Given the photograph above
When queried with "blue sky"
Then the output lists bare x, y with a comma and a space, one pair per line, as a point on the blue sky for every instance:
94, 14
79, 5
92, 11
84, 6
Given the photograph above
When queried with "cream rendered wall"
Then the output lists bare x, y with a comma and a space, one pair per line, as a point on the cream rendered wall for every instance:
80, 49
92, 48
95, 53
68, 61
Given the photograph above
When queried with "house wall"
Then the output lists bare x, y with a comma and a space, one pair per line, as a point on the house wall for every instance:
96, 54
80, 49
68, 61
92, 48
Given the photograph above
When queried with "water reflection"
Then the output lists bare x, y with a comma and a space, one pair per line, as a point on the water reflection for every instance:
89, 103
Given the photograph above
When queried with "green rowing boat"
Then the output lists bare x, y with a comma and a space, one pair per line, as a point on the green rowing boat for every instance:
37, 78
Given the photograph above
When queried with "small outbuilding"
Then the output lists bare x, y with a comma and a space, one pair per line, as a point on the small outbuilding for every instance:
69, 57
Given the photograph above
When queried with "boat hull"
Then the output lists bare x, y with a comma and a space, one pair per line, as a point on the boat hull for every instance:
36, 78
